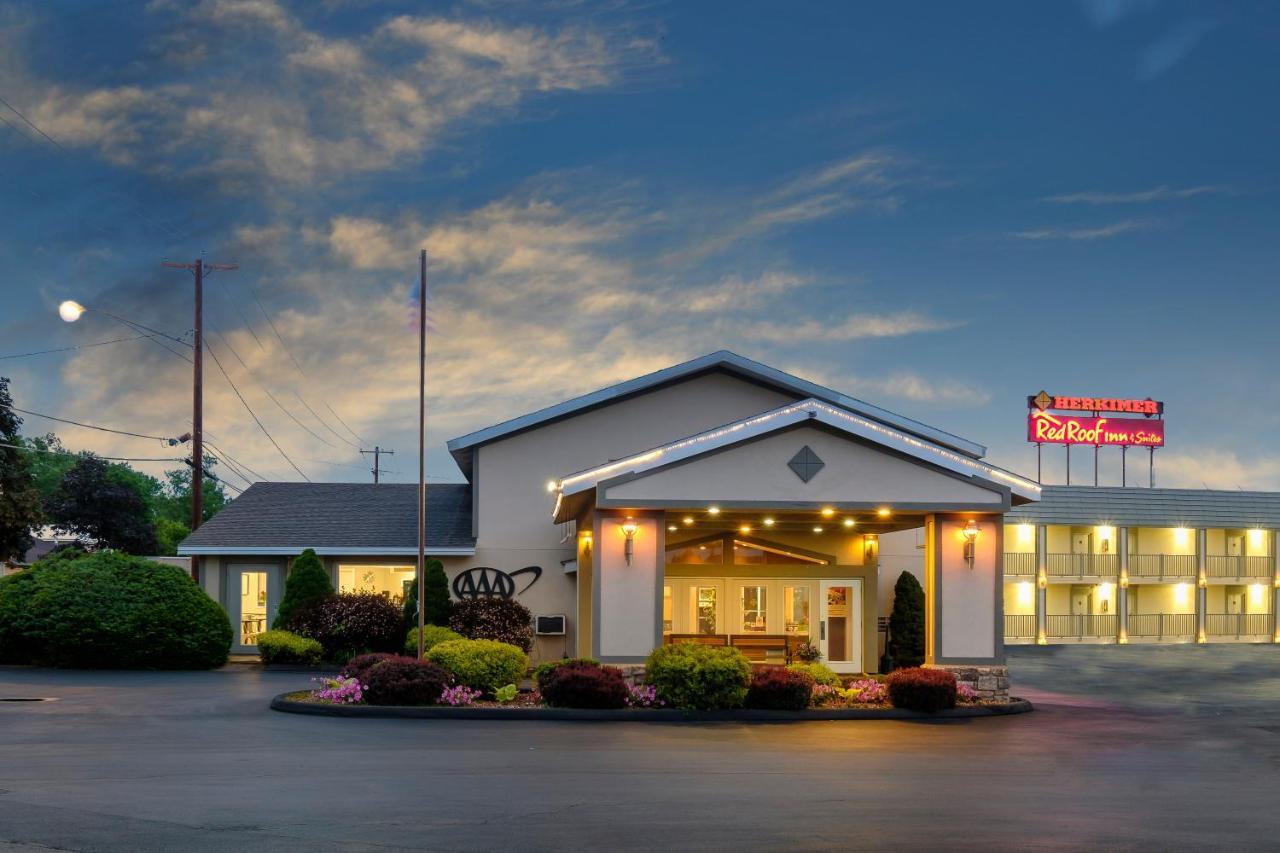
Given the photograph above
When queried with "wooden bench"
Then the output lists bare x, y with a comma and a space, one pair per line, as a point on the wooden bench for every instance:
764, 648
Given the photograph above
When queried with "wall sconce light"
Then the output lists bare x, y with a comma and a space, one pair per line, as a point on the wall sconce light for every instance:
970, 534
585, 536
629, 529
869, 545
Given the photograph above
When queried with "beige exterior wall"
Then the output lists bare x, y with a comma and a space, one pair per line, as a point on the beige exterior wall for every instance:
853, 473
1162, 540
1163, 598
1020, 598
1020, 538
901, 551
966, 600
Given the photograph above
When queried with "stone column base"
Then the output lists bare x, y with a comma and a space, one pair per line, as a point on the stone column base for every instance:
990, 682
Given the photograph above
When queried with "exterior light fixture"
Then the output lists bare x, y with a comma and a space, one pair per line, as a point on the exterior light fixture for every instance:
768, 521
827, 512
817, 530
869, 545
688, 519
970, 534
70, 311
672, 528
1105, 532
746, 528
585, 536
883, 512
713, 510
551, 485
629, 530
849, 522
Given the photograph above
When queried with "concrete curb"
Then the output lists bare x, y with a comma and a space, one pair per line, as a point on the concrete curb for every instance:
634, 715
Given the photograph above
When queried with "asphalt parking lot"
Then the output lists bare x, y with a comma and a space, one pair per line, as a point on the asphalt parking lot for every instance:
1165, 748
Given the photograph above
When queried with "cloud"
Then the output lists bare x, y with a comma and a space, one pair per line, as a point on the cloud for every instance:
851, 328
1160, 193
1173, 47
1104, 13
1217, 469
335, 107
1102, 232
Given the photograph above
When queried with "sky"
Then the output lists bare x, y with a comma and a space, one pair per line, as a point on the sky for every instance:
938, 208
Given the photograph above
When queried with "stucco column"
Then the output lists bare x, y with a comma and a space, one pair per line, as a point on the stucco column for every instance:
627, 593
1042, 582
1202, 594
965, 597
1122, 587
1275, 583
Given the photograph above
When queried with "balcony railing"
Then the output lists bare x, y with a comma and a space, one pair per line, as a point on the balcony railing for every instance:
1020, 563
1080, 625
1082, 565
1237, 624
1238, 567
1162, 566
1161, 625
1020, 626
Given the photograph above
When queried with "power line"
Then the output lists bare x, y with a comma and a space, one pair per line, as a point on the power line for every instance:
227, 457
170, 440
32, 124
325, 423
76, 347
344, 423
254, 415
283, 345
96, 456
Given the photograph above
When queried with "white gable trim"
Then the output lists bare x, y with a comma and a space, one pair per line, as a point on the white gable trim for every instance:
805, 410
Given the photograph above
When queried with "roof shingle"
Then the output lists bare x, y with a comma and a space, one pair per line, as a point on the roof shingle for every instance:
1137, 507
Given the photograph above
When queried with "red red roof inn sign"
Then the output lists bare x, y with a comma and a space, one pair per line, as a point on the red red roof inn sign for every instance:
1110, 421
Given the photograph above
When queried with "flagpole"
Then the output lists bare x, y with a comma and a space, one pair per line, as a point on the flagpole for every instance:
422, 448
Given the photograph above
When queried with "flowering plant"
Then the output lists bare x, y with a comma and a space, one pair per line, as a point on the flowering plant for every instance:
643, 696
808, 653
340, 691
824, 695
965, 693
459, 694
867, 691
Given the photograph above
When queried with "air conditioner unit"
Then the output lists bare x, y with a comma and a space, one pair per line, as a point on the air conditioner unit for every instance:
549, 626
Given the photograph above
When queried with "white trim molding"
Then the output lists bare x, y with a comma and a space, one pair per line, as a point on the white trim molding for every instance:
244, 551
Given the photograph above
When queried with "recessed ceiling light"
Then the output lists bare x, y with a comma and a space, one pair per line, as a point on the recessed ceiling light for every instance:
713, 510
688, 519
817, 530
827, 512
768, 521
883, 512
746, 528
672, 527
849, 522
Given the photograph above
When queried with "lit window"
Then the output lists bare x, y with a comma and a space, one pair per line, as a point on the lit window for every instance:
795, 600
753, 610
666, 609
705, 609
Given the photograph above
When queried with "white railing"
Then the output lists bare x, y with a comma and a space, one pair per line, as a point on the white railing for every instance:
1218, 566
1019, 626
1020, 563
1161, 625
1162, 566
1237, 624
1080, 625
1082, 565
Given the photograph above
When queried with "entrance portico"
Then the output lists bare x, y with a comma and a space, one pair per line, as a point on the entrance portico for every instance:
762, 534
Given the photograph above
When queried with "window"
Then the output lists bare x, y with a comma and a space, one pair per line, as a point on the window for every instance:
666, 609
795, 601
390, 581
758, 554
697, 554
705, 609
754, 607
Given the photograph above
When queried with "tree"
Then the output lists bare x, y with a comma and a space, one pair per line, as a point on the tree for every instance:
906, 622
107, 503
169, 535
308, 582
438, 604
174, 501
50, 462
19, 500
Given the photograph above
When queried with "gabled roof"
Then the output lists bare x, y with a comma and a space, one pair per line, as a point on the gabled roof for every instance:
1138, 507
805, 411
723, 361
337, 519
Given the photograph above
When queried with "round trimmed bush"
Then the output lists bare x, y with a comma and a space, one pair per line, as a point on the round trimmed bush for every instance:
483, 665
778, 689
696, 677
277, 646
543, 671
404, 681
108, 610
349, 624
582, 684
920, 689
432, 635
358, 667
820, 673
502, 619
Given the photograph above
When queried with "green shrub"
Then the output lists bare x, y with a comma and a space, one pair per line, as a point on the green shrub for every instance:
906, 622
108, 610
820, 673
503, 619
278, 646
349, 624
438, 605
433, 635
308, 582
544, 670
482, 665
693, 676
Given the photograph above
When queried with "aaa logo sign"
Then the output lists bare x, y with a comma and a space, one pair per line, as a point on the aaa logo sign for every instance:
1045, 428
488, 582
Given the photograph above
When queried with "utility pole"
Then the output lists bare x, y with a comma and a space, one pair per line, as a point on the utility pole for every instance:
422, 448
198, 268
377, 456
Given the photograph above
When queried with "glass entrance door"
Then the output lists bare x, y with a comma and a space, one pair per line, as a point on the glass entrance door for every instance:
840, 624
254, 597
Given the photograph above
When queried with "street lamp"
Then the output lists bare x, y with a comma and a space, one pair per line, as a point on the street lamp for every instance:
70, 311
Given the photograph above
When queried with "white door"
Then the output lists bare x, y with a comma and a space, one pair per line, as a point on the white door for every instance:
840, 624
1235, 600
1235, 545
1082, 543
